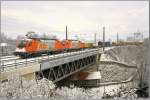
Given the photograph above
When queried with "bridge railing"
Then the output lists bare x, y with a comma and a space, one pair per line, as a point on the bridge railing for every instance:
17, 62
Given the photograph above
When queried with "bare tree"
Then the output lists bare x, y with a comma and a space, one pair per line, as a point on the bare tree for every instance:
141, 61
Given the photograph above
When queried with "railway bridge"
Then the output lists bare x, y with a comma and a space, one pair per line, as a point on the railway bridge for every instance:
53, 67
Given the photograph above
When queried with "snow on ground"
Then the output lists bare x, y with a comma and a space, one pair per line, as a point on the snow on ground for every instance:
105, 57
115, 73
128, 54
113, 91
17, 87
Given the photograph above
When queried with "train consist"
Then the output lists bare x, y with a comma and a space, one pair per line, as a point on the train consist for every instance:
32, 47
120, 43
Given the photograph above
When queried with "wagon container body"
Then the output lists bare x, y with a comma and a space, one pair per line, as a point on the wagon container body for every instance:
88, 45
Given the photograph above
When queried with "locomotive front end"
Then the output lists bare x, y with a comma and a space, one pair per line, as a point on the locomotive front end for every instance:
20, 48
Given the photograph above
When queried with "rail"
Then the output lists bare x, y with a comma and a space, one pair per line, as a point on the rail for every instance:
9, 63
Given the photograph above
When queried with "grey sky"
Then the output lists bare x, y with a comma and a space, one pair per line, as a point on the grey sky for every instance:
84, 18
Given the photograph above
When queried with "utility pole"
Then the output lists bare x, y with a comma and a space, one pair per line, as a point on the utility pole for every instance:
95, 39
134, 36
149, 36
66, 33
103, 38
117, 37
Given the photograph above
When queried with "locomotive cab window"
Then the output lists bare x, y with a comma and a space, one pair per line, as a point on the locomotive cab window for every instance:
21, 44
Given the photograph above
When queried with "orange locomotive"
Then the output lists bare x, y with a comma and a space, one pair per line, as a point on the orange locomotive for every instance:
36, 46
33, 47
70, 45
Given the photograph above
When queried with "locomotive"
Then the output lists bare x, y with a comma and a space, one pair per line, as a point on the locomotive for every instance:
35, 47
32, 47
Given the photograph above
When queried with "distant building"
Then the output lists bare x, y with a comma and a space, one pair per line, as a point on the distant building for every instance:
130, 39
137, 37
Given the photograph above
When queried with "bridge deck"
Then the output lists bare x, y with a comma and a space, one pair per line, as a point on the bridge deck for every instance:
50, 63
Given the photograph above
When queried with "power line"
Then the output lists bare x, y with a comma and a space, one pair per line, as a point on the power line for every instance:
66, 33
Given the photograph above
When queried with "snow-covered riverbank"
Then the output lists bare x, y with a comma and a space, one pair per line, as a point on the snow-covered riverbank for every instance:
21, 88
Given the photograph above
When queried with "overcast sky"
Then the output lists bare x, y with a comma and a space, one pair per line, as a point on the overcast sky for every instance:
83, 18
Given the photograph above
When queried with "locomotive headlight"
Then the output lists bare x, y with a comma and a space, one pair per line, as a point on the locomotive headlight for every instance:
20, 50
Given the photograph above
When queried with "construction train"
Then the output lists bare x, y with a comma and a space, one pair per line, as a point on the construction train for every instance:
32, 47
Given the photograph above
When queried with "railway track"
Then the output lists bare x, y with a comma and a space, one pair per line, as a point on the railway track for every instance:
13, 61
10, 61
